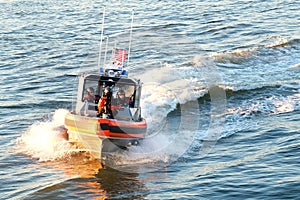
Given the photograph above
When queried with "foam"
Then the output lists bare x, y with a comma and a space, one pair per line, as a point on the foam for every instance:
42, 140
164, 89
296, 66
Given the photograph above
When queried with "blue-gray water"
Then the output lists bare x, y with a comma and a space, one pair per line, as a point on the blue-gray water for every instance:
180, 50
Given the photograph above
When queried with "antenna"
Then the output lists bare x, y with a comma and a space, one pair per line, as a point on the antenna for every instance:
100, 46
130, 36
105, 52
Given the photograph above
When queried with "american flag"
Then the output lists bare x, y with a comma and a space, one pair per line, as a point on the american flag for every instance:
120, 55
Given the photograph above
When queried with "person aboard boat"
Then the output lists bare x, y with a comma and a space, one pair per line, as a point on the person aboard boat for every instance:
104, 104
121, 99
91, 98
90, 95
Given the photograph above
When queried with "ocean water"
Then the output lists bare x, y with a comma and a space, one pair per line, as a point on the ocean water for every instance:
221, 93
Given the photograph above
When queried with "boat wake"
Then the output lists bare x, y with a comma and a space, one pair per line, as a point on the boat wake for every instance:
179, 88
42, 140
268, 105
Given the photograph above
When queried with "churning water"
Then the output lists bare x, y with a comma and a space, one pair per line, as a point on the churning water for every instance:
221, 90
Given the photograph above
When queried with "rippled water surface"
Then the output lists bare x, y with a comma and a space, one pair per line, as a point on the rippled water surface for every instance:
221, 90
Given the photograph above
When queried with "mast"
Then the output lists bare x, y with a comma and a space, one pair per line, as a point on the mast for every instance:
101, 38
130, 37
105, 52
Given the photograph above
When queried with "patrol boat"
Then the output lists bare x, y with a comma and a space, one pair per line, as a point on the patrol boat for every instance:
107, 113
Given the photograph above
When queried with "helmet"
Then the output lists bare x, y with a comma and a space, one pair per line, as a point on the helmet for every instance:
121, 92
90, 89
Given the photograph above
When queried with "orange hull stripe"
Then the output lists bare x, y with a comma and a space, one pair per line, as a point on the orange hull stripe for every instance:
120, 135
103, 133
128, 124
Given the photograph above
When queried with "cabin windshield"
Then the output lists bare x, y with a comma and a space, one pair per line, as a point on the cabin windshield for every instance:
123, 95
119, 100
90, 91
121, 103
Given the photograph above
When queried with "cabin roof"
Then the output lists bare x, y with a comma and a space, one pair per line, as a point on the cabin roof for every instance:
119, 80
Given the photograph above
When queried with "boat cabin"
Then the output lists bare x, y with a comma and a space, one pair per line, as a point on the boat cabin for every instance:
124, 99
